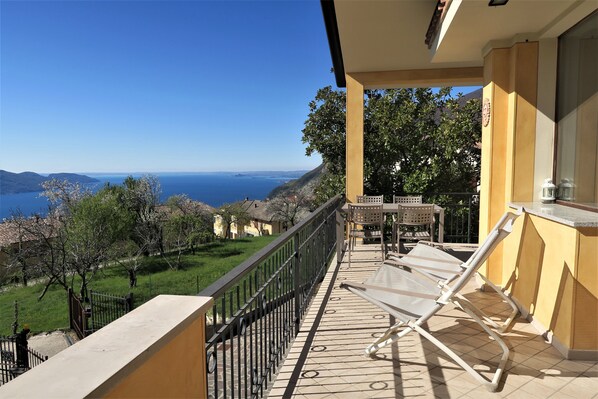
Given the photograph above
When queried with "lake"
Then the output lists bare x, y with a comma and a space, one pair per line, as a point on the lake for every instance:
213, 189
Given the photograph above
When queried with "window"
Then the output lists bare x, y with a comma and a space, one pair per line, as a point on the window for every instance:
577, 114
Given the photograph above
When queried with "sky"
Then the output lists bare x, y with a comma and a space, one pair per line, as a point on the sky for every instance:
159, 86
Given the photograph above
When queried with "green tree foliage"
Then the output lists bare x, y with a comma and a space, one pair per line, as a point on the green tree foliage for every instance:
187, 224
85, 231
415, 141
96, 223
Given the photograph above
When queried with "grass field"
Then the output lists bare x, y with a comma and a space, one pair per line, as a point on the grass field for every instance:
209, 263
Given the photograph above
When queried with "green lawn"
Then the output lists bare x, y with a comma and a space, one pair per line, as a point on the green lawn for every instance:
209, 263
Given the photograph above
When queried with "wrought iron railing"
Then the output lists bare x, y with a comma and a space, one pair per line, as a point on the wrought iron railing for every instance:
259, 305
102, 309
15, 359
105, 308
461, 215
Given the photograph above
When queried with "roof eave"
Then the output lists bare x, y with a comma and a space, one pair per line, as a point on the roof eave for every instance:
334, 42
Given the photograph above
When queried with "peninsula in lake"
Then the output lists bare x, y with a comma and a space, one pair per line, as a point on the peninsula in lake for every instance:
27, 182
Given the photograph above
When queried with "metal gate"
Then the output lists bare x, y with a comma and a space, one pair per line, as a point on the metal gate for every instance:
102, 309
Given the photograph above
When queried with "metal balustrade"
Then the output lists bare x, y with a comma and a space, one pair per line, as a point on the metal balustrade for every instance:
461, 216
259, 306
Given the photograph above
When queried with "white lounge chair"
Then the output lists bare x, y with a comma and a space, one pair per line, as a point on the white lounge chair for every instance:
414, 296
429, 258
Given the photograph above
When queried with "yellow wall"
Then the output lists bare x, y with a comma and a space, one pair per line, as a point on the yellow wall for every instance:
585, 335
550, 269
176, 371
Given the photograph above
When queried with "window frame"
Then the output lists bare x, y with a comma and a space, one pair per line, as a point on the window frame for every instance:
556, 122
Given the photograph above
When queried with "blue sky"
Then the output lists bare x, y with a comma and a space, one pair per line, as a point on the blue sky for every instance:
159, 86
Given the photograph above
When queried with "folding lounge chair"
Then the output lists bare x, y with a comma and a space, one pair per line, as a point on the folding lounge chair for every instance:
414, 299
430, 260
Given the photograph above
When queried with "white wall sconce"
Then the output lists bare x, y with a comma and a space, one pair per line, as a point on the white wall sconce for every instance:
548, 192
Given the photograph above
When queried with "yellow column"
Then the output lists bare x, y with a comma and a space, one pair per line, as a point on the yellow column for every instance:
508, 141
354, 139
521, 134
492, 190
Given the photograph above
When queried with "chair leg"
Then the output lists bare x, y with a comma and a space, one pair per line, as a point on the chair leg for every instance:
391, 335
491, 385
515, 310
382, 243
349, 251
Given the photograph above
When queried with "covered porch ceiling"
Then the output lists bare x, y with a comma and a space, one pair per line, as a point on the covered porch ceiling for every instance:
375, 36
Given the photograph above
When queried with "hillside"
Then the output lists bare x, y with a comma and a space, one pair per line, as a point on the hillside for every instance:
26, 182
304, 184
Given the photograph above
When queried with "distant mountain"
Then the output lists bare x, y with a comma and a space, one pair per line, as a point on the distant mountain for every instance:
291, 174
304, 184
27, 182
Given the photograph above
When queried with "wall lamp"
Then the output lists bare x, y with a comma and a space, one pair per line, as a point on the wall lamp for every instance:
496, 3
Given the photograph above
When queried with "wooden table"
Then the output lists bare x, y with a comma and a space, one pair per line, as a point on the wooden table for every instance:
386, 209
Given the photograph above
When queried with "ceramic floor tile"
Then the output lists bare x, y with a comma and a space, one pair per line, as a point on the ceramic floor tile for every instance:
413, 367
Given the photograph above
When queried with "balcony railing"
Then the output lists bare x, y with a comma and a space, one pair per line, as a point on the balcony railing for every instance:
461, 215
259, 306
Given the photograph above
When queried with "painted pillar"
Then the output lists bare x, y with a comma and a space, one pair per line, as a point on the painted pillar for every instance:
354, 139
494, 133
508, 139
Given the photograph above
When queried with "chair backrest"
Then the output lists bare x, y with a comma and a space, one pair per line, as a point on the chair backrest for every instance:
407, 199
503, 228
366, 214
370, 199
416, 215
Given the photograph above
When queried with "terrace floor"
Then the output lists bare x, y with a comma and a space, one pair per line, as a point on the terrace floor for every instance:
327, 358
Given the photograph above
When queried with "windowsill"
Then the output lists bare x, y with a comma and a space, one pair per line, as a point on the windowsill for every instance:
559, 213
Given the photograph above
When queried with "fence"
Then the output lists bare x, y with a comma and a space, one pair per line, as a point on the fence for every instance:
259, 305
102, 310
77, 315
461, 215
15, 359
106, 308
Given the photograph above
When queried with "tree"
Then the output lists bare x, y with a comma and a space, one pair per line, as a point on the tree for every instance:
142, 198
187, 224
63, 195
289, 208
96, 223
233, 213
127, 253
415, 141
17, 254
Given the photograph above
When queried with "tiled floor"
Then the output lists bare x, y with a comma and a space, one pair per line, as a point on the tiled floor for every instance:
327, 358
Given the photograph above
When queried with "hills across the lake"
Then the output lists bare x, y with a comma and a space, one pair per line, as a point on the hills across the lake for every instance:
27, 182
